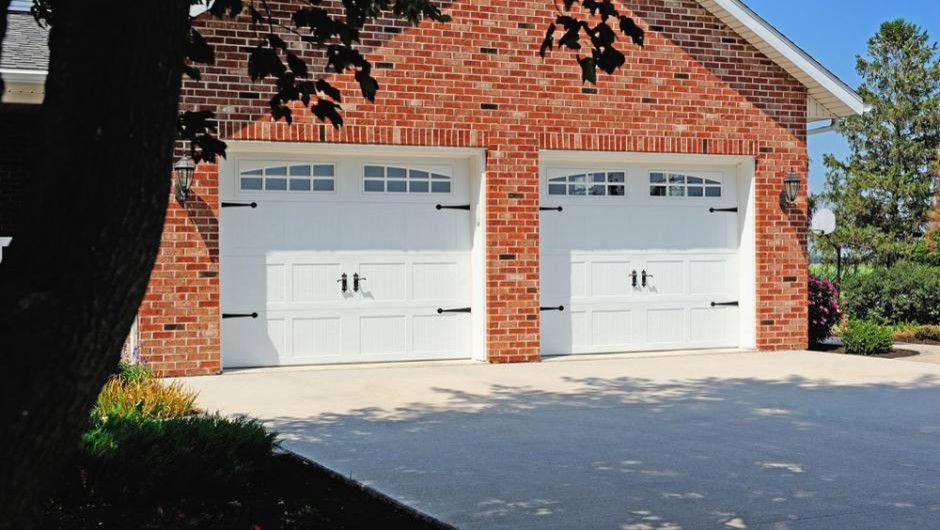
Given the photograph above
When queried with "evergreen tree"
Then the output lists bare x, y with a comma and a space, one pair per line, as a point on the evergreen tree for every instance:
883, 191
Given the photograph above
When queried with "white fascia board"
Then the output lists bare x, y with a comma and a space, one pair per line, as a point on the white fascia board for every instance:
25, 87
792, 53
23, 77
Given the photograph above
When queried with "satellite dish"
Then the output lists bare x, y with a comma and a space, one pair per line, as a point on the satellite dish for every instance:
823, 223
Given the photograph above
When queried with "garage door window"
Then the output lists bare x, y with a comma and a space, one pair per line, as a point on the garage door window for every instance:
594, 184
294, 178
389, 179
665, 184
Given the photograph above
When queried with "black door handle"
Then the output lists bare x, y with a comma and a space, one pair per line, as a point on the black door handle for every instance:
356, 280
344, 281
645, 276
633, 278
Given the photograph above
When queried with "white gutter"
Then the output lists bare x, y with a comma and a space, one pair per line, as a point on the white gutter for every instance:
822, 130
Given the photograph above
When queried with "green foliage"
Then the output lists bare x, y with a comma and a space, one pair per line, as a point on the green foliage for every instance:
866, 338
132, 372
178, 457
134, 392
906, 292
882, 193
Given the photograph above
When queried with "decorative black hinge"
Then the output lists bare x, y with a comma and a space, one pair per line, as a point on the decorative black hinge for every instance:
727, 210
558, 308
456, 207
551, 209
725, 304
239, 205
239, 315
458, 310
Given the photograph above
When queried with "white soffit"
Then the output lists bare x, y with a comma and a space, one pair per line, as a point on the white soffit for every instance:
825, 89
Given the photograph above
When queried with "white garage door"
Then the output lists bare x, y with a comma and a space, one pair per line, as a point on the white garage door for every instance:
640, 257
319, 220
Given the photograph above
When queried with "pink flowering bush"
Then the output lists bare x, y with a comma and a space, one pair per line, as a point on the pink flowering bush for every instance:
824, 310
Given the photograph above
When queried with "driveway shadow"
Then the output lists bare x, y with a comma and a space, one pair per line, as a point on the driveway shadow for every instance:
638, 454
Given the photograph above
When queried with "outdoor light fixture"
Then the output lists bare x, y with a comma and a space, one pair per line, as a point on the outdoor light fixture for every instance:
184, 169
791, 190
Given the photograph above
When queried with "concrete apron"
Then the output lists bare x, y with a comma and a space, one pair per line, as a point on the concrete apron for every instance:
701, 440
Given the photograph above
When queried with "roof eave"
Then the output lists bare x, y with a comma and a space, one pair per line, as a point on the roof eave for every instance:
843, 100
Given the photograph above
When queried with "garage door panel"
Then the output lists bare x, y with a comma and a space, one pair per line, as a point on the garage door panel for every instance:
315, 282
688, 253
438, 334
436, 281
712, 276
384, 281
612, 278
709, 326
384, 335
612, 328
252, 341
316, 337
411, 259
667, 277
665, 326
248, 279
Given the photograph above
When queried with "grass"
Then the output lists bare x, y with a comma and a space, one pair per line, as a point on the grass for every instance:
150, 460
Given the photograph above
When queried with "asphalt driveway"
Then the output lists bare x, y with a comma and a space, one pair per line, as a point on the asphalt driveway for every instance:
716, 440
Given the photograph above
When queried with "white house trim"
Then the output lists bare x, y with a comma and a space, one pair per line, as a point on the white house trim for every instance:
4, 242
825, 88
23, 86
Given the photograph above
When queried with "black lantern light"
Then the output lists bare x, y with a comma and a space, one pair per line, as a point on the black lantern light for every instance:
791, 190
184, 168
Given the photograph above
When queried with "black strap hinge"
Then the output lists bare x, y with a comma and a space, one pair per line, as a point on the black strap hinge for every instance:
550, 308
239, 205
551, 209
458, 310
725, 304
456, 207
239, 315
727, 210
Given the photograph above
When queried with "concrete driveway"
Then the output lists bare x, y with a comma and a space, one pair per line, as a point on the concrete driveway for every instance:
714, 440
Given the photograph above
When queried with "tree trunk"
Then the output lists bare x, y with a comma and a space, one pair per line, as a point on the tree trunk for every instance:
78, 266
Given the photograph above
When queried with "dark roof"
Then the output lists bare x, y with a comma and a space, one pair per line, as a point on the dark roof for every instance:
25, 46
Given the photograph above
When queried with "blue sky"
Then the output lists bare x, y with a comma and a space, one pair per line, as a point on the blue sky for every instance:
834, 32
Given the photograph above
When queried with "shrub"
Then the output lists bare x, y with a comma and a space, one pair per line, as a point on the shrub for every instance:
927, 333
824, 310
137, 459
135, 393
906, 292
866, 338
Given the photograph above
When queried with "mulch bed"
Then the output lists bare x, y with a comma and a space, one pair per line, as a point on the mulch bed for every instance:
897, 353
299, 494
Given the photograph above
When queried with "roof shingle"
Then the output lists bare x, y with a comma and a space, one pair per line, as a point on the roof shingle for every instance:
25, 45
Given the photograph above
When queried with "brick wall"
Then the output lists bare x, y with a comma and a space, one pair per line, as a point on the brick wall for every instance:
478, 82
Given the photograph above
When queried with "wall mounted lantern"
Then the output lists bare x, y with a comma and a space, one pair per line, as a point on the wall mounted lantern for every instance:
184, 168
791, 190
